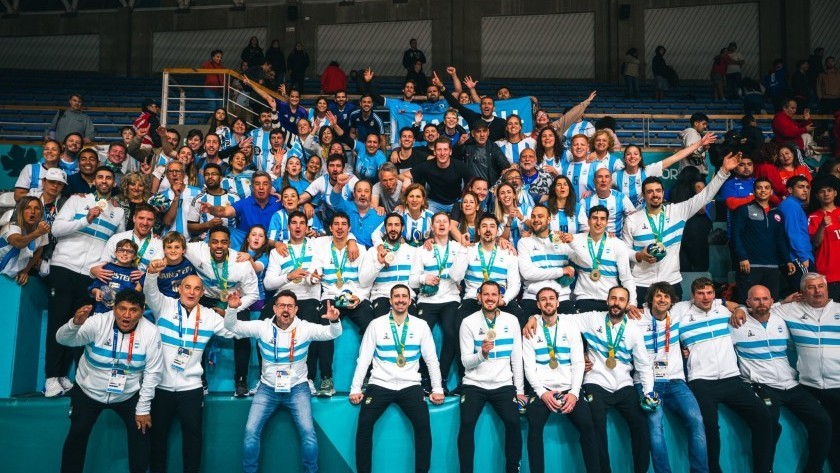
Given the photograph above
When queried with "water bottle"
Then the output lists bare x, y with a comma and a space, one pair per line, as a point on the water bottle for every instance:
108, 296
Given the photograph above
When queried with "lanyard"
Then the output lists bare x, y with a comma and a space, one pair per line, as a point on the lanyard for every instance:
223, 279
142, 248
552, 344
441, 263
298, 262
667, 335
399, 343
490, 325
486, 268
291, 345
181, 328
610, 345
392, 248
130, 348
657, 232
339, 267
596, 259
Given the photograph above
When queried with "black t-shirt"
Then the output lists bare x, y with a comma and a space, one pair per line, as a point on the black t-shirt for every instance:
416, 157
444, 185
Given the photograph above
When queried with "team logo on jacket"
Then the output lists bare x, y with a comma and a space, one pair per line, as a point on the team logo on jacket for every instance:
779, 328
750, 333
836, 316
777, 217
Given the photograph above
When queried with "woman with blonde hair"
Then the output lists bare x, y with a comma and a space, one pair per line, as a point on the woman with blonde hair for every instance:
602, 143
23, 239
134, 189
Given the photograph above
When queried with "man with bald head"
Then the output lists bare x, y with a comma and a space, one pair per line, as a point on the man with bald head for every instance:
813, 321
761, 345
185, 327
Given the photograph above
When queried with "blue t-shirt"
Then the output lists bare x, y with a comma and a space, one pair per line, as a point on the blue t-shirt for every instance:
171, 276
119, 281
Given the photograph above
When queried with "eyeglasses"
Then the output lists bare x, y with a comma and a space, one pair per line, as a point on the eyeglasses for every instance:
284, 306
124, 250
174, 171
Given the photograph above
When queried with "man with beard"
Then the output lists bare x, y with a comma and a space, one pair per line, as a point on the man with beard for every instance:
213, 194
319, 192
406, 155
220, 271
486, 261
491, 351
212, 145
173, 203
483, 157
264, 145
150, 246
82, 181
444, 177
554, 364
395, 378
284, 343
342, 109
82, 228
544, 262
293, 272
654, 233
713, 374
814, 325
364, 121
662, 340
387, 265
364, 219
170, 138
121, 368
403, 106
602, 262
495, 125
438, 270
185, 328
761, 344
68, 160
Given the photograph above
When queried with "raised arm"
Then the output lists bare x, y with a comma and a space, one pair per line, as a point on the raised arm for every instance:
573, 115
707, 140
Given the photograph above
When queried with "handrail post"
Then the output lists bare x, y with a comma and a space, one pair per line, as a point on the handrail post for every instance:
164, 98
182, 105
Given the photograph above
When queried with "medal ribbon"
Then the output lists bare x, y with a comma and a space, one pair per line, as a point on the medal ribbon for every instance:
298, 262
552, 344
657, 232
399, 343
441, 263
486, 268
142, 248
181, 328
667, 335
339, 267
223, 279
596, 259
610, 345
490, 325
130, 348
291, 345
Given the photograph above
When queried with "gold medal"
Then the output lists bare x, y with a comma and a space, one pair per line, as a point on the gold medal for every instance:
486, 275
339, 281
102, 204
223, 295
553, 363
595, 275
400, 360
610, 362
390, 257
298, 280
490, 335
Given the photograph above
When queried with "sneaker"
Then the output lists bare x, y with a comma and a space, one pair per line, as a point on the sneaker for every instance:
205, 387
241, 389
457, 391
66, 384
52, 388
327, 388
312, 389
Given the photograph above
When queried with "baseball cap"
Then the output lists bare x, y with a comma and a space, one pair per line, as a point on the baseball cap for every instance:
479, 124
56, 174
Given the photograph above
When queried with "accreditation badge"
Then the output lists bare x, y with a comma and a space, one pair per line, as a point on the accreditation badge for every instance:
116, 383
181, 359
283, 380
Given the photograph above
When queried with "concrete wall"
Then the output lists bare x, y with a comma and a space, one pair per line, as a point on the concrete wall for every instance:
126, 36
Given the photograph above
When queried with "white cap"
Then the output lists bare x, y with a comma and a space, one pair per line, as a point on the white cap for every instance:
56, 174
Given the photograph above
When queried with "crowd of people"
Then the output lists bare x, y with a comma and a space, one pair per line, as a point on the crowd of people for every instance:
551, 258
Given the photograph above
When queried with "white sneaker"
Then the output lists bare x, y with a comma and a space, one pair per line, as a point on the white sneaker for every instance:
52, 388
312, 389
66, 384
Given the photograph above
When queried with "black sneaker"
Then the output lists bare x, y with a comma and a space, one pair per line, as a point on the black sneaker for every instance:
457, 391
241, 389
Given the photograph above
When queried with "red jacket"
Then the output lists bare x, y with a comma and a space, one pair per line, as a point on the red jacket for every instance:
786, 130
216, 80
333, 79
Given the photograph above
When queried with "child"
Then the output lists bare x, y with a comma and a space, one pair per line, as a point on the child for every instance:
177, 267
104, 292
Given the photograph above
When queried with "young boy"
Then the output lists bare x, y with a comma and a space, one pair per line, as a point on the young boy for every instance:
104, 292
177, 267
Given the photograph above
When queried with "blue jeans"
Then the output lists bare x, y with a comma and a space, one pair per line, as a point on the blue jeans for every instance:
677, 398
439, 207
265, 402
